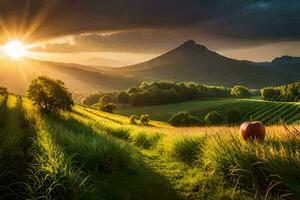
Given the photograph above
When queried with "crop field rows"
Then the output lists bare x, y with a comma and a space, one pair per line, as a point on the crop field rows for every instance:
265, 111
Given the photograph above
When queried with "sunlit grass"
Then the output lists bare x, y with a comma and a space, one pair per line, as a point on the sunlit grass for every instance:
235, 169
51, 174
76, 155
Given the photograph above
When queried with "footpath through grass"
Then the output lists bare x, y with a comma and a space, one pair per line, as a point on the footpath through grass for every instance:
218, 165
89, 154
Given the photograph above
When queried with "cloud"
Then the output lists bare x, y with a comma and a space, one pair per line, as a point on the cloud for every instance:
155, 23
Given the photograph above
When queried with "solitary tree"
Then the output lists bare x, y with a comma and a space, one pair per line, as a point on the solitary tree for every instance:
144, 119
49, 94
123, 97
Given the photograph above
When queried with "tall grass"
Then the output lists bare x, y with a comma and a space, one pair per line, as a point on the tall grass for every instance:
188, 149
268, 169
51, 175
90, 146
15, 144
139, 136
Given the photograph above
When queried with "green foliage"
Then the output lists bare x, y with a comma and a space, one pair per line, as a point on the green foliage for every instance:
145, 140
240, 92
49, 94
105, 99
124, 98
109, 107
234, 116
88, 154
289, 93
267, 112
188, 149
3, 92
91, 99
144, 119
269, 93
255, 166
214, 118
133, 119
183, 119
162, 92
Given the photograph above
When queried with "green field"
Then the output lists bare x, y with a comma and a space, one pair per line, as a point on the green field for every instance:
266, 111
89, 154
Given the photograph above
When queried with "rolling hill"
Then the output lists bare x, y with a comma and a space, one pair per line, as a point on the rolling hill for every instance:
89, 154
78, 78
251, 109
188, 62
194, 62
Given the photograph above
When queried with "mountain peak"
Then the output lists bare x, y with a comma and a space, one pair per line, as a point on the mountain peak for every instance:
286, 59
191, 44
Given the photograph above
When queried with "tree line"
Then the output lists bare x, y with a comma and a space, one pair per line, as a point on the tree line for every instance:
289, 92
164, 92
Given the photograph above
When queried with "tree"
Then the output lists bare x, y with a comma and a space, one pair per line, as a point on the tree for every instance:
49, 94
133, 119
109, 107
269, 93
240, 92
144, 119
91, 99
3, 92
105, 99
183, 119
213, 118
124, 98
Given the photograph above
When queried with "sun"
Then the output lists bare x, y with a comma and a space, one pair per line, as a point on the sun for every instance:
15, 49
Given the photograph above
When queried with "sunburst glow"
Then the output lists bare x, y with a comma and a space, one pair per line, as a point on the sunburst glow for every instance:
15, 49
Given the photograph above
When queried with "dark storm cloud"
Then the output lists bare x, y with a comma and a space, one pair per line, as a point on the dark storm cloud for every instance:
249, 20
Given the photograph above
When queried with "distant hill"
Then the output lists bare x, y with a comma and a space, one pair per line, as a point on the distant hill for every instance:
78, 78
188, 62
194, 62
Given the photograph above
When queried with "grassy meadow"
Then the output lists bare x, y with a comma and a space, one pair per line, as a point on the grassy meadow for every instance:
269, 112
89, 154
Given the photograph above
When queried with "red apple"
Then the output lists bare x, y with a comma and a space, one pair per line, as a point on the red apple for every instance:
253, 130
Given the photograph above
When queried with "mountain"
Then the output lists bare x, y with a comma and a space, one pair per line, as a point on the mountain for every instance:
286, 60
15, 75
194, 62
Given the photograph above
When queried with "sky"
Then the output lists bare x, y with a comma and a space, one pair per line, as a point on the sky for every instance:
124, 32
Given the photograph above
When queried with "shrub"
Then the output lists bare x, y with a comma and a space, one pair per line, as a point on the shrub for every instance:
49, 94
144, 119
188, 149
183, 119
213, 118
105, 99
3, 92
269, 93
240, 92
233, 116
133, 119
144, 140
109, 107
